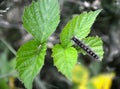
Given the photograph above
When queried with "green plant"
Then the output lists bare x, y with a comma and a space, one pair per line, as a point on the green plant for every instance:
41, 19
7, 67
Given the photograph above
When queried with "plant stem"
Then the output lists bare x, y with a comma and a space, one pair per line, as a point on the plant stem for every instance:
8, 74
9, 46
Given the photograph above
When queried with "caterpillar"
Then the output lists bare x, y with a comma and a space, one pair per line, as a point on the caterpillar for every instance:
85, 48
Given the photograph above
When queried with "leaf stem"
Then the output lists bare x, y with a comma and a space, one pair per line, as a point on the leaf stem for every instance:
9, 46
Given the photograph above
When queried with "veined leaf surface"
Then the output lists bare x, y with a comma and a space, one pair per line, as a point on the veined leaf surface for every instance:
41, 19
64, 59
79, 26
30, 59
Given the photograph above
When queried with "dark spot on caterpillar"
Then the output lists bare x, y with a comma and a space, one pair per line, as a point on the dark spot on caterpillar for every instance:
85, 48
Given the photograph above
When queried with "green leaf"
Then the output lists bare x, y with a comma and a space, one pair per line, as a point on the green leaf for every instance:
29, 61
3, 84
41, 18
12, 63
64, 59
79, 26
79, 50
96, 44
4, 68
4, 63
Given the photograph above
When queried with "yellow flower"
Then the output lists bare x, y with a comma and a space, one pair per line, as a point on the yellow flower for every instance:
103, 81
83, 86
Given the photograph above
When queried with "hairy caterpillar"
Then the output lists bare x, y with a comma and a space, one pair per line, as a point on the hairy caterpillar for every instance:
85, 48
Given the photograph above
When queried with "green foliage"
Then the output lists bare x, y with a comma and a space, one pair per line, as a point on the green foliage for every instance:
79, 26
6, 69
30, 59
64, 59
3, 84
6, 66
41, 18
96, 44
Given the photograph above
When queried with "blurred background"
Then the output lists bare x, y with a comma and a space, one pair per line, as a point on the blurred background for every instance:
13, 35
